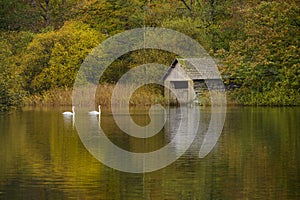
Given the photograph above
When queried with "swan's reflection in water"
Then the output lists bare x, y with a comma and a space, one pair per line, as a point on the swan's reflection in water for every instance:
92, 135
69, 120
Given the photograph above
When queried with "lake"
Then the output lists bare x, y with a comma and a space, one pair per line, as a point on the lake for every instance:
257, 156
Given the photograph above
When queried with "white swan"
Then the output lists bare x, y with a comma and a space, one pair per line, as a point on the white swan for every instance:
70, 113
96, 112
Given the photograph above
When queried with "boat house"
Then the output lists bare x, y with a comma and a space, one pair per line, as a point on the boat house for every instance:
184, 83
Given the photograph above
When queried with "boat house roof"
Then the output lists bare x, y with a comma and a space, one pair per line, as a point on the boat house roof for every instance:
195, 68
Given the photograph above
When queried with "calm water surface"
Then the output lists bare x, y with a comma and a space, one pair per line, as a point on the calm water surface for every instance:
256, 157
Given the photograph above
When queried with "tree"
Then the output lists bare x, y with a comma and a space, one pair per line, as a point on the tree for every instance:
35, 15
267, 56
12, 47
111, 17
17, 15
53, 12
52, 59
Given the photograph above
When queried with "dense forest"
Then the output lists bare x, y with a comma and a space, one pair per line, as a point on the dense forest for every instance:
44, 42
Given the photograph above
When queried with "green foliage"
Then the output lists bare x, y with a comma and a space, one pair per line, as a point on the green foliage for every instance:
52, 59
12, 47
258, 43
266, 58
54, 12
17, 15
274, 97
156, 12
36, 15
133, 59
196, 29
111, 17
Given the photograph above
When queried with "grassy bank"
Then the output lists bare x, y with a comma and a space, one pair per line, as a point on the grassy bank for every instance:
275, 97
143, 96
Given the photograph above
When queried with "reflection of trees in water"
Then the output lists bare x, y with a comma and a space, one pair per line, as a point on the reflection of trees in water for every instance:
255, 157
257, 154
12, 144
45, 154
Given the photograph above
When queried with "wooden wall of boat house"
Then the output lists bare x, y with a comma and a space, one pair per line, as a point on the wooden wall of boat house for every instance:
182, 85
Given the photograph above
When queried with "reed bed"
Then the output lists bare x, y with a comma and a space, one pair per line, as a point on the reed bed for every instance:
143, 96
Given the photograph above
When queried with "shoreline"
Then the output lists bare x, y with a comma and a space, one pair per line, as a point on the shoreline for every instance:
144, 97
